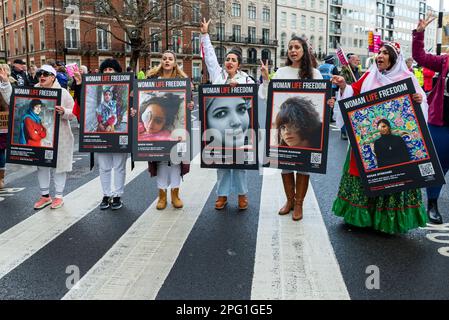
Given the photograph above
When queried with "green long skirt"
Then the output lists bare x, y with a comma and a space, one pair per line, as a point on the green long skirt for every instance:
393, 213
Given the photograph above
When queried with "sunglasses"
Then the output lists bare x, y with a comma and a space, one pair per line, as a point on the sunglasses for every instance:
43, 73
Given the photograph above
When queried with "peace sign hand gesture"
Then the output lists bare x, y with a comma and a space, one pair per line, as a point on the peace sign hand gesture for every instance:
204, 28
264, 70
422, 24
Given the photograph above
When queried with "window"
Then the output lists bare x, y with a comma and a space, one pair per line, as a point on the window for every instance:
321, 25
195, 43
71, 38
321, 5
102, 6
41, 4
312, 23
176, 10
30, 6
303, 21
236, 9
196, 13
293, 21
42, 34
7, 43
127, 43
220, 53
196, 71
220, 31
155, 8
66, 3
2, 41
283, 44
16, 42
252, 12
23, 39
312, 4
5, 12
31, 37
155, 40
266, 14
21, 8
251, 34
14, 13
283, 19
177, 41
266, 36
102, 37
237, 33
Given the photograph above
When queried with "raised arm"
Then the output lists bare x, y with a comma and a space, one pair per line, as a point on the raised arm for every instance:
210, 58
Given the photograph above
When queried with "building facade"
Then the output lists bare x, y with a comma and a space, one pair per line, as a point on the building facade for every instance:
67, 31
249, 26
304, 18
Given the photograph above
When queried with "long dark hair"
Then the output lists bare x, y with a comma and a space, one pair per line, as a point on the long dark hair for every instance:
169, 102
305, 65
393, 56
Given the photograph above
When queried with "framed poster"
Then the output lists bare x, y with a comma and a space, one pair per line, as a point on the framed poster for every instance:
229, 127
33, 127
297, 125
162, 124
390, 140
105, 113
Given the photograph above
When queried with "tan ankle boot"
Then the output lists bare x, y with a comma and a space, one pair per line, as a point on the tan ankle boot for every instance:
302, 183
162, 202
288, 180
2, 179
175, 200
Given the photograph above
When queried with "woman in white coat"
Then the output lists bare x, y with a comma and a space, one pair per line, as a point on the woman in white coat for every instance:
298, 66
228, 179
47, 79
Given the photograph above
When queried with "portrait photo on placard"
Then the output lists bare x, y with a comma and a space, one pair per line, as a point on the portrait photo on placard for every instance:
229, 122
34, 122
388, 134
106, 108
297, 120
162, 116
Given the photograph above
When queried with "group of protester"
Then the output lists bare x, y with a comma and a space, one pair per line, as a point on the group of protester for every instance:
392, 213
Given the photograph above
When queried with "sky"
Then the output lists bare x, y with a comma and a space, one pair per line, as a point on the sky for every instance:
435, 4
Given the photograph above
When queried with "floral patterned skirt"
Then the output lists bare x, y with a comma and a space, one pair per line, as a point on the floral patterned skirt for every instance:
393, 213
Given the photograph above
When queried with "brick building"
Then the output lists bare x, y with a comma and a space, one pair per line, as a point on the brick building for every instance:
73, 32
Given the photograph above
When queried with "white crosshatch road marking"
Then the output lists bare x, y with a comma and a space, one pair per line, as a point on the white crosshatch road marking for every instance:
294, 259
140, 261
20, 242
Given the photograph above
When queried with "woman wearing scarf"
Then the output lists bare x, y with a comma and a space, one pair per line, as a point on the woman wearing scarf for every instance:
393, 213
32, 131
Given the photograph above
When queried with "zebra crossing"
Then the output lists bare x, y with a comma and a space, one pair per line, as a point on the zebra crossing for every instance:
153, 250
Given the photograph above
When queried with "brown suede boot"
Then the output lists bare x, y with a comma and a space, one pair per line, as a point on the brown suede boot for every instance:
243, 202
221, 202
288, 179
162, 202
302, 183
2, 179
175, 200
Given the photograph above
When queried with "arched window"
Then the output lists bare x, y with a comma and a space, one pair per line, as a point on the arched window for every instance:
266, 55
252, 56
220, 53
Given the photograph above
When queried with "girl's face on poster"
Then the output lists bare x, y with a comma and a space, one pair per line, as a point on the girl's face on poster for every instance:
107, 96
231, 63
383, 59
295, 51
230, 117
156, 120
383, 129
290, 135
37, 109
168, 61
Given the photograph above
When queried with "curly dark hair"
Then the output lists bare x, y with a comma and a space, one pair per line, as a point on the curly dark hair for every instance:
169, 102
305, 65
301, 113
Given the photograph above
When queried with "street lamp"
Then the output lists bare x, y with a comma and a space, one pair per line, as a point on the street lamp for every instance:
221, 31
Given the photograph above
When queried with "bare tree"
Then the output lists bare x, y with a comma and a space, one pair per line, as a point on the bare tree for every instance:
137, 16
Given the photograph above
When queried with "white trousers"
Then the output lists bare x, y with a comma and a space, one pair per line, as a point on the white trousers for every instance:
168, 176
44, 176
107, 162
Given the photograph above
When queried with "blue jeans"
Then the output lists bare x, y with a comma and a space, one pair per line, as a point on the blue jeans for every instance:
2, 158
231, 180
440, 136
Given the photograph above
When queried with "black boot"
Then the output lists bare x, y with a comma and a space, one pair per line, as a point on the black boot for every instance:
432, 212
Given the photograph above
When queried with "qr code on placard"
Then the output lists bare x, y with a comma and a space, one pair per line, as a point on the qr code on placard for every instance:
426, 169
48, 154
123, 140
315, 158
181, 147
249, 157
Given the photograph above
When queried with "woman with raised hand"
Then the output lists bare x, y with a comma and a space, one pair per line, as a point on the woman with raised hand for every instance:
393, 213
299, 65
228, 179
438, 110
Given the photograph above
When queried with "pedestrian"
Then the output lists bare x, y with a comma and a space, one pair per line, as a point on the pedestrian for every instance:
19, 74
32, 78
392, 213
165, 110
438, 122
76, 88
62, 76
47, 79
428, 79
417, 70
299, 65
327, 70
409, 62
141, 74
229, 180
5, 95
